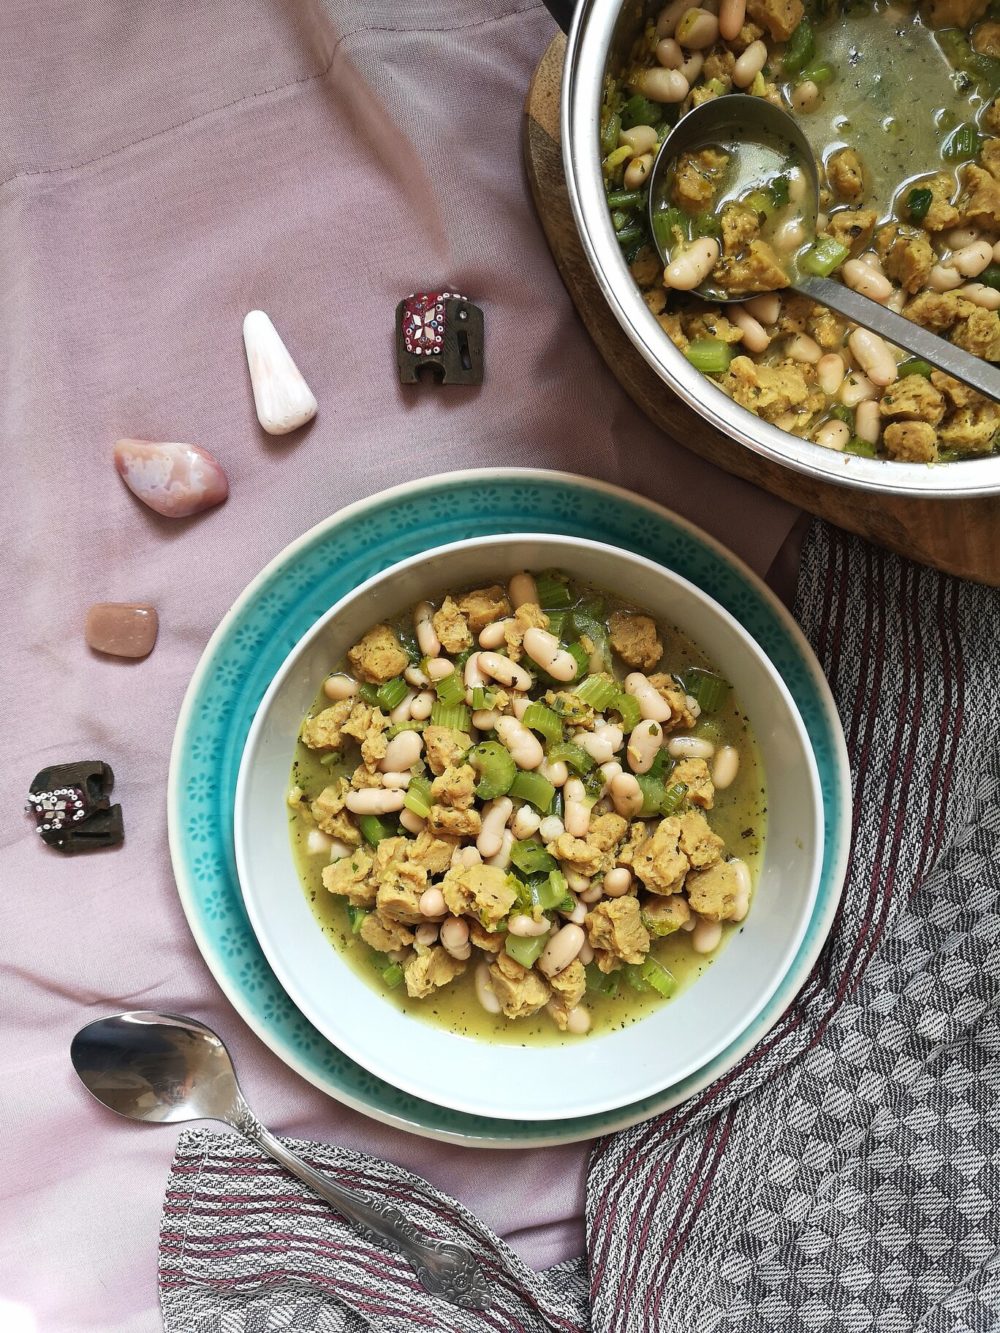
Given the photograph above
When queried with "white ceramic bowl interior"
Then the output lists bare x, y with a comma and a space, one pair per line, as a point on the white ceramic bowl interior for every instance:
580, 1076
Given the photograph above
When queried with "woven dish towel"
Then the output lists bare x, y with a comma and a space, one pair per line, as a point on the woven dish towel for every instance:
844, 1176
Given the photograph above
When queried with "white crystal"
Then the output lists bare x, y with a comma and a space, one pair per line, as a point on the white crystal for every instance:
283, 399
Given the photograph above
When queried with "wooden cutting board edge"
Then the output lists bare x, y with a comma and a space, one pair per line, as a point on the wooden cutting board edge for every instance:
958, 536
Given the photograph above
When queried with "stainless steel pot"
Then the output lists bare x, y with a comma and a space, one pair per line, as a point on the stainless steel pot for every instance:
600, 35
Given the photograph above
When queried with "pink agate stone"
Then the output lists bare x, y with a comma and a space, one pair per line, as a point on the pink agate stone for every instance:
122, 629
174, 479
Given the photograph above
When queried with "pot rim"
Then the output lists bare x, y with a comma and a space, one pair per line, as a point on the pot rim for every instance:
589, 42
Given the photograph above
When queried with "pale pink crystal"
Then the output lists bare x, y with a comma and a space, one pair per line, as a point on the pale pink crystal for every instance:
122, 629
174, 479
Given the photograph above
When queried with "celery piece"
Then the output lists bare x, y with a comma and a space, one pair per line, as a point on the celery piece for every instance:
594, 784
550, 892
369, 693
482, 698
705, 224
990, 276
840, 412
556, 621
450, 689
456, 716
596, 631
541, 719
634, 977
627, 708
629, 236
610, 131
596, 691
820, 73
418, 797
915, 366
861, 448
525, 949
574, 755
397, 727
963, 144
708, 688
356, 916
601, 983
391, 694
627, 199
392, 976
673, 798
495, 768
653, 794
823, 257
580, 656
778, 188
639, 110
534, 789
709, 355
666, 223
656, 975
553, 590
373, 829
800, 49
531, 858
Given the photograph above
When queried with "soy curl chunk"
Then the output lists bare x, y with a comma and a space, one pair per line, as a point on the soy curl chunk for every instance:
340, 687
561, 949
626, 795
504, 671
544, 650
374, 801
576, 809
874, 357
524, 746
522, 589
652, 704
494, 820
423, 623
643, 746
693, 265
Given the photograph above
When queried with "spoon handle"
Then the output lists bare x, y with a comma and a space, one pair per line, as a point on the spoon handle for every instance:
443, 1268
902, 332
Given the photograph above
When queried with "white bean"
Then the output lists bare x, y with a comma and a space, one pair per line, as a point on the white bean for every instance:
586, 954
576, 809
526, 927
693, 265
423, 623
485, 719
978, 294
524, 746
472, 675
485, 993
338, 850
670, 56
670, 16
873, 356
525, 822
578, 1021
861, 277
422, 705
834, 435
551, 828
732, 16
557, 773
725, 767
599, 747
805, 96
402, 752
414, 676
318, 843
959, 237
411, 822
543, 648
609, 771
830, 372
692, 67
466, 856
805, 349
868, 421
972, 259
690, 747
401, 713
505, 671
374, 801
872, 260
697, 29
455, 937
662, 85
617, 882
856, 388
520, 705
612, 733
755, 337
522, 589
744, 888
626, 795
643, 747
502, 857
766, 308
494, 634
431, 902
652, 705
398, 781
634, 177
706, 936
996, 252
494, 820
561, 949
593, 893
340, 687
439, 667
944, 278
426, 934
790, 235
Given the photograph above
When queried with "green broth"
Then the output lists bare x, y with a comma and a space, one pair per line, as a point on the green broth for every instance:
739, 817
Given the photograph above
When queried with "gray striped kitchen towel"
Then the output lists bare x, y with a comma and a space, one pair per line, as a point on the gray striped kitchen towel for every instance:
844, 1176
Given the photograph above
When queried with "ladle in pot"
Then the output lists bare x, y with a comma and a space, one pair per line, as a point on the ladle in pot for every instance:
736, 119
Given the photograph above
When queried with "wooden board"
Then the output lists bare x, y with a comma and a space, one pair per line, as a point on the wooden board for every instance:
959, 536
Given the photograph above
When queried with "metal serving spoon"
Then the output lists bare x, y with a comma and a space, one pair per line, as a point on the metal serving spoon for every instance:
163, 1068
752, 120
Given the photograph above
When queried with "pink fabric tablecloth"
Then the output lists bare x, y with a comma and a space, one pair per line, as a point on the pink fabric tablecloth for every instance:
163, 169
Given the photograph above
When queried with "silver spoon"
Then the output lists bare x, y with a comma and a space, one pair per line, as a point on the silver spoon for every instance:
738, 117
164, 1069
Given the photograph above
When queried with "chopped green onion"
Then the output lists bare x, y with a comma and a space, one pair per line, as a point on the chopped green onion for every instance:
356, 916
820, 73
709, 355
915, 366
450, 689
482, 698
541, 719
456, 716
963, 144
596, 691
653, 794
580, 656
534, 789
627, 708
418, 797
574, 755
495, 768
525, 949
823, 257
639, 110
553, 590
603, 983
373, 829
800, 49
666, 223
609, 133
673, 799
531, 858
397, 727
706, 687
626, 199
918, 203
391, 694
392, 976
990, 276
369, 693
778, 188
